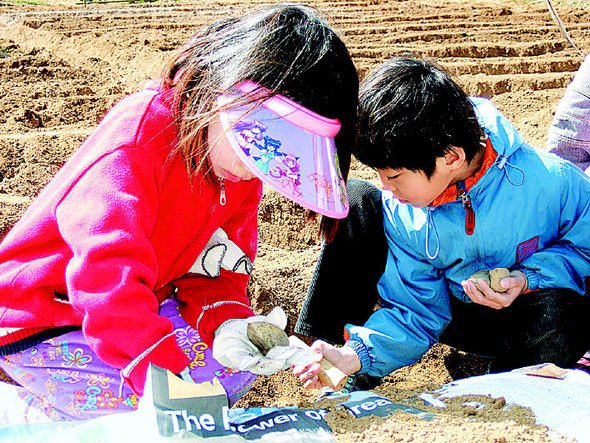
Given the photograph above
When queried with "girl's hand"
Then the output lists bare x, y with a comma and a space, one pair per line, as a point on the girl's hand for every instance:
515, 284
344, 358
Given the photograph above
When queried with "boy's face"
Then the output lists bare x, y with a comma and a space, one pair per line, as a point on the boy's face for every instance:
413, 187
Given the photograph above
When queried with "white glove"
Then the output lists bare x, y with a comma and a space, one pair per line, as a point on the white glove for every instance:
232, 348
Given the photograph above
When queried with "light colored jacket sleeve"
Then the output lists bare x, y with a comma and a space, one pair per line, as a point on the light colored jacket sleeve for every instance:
565, 263
569, 133
415, 310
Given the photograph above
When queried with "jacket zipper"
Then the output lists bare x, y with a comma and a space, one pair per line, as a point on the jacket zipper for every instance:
222, 199
466, 202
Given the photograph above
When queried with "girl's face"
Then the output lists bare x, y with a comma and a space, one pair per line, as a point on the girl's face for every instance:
224, 161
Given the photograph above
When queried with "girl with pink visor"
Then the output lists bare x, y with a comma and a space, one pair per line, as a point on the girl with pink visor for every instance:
139, 250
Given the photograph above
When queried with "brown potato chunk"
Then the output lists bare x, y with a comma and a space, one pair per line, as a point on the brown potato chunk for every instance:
266, 336
492, 277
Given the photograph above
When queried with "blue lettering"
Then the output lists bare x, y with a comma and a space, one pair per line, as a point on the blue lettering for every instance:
264, 425
91, 401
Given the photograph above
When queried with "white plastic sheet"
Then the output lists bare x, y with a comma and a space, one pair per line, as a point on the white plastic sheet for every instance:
563, 405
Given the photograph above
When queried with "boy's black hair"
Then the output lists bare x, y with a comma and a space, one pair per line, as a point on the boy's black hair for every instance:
410, 113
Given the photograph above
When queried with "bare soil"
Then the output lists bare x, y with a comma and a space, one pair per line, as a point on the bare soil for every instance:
63, 65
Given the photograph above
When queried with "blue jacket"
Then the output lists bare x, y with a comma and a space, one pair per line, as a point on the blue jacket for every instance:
532, 213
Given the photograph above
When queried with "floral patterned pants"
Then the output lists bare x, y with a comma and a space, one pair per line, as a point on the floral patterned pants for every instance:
65, 379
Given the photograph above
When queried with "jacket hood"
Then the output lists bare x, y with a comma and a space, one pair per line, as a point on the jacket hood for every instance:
504, 136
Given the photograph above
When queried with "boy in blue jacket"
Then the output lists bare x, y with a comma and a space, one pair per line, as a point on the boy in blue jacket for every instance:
462, 192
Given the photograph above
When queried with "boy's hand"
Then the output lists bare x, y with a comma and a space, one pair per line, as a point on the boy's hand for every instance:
515, 284
344, 358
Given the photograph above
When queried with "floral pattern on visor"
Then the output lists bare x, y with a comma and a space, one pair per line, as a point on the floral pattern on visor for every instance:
287, 146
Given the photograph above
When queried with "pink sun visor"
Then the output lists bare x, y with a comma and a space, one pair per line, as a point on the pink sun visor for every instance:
287, 146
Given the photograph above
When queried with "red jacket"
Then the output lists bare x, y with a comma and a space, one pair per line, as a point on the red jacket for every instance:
117, 230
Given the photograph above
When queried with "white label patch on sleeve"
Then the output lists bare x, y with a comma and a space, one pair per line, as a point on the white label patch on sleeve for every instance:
221, 253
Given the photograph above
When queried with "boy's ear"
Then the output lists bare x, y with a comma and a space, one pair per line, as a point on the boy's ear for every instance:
455, 158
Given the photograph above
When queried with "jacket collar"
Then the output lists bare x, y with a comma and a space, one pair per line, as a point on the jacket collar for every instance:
451, 193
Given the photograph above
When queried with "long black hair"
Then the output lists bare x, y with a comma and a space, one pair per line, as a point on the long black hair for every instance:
288, 49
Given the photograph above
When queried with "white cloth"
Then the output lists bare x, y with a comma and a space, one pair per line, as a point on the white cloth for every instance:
563, 405
16, 411
232, 348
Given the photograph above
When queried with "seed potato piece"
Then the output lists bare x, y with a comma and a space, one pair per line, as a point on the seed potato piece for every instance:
496, 275
266, 336
480, 275
492, 277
